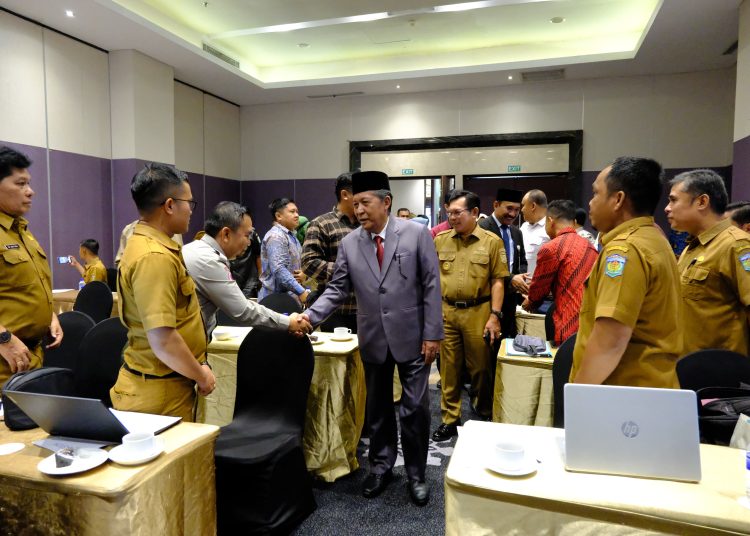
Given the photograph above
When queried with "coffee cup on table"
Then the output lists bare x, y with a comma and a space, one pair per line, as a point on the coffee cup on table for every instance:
139, 443
342, 332
509, 455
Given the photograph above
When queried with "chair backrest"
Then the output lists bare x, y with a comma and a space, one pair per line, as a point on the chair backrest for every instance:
549, 323
281, 302
112, 279
713, 368
100, 359
560, 373
274, 370
223, 319
95, 299
75, 325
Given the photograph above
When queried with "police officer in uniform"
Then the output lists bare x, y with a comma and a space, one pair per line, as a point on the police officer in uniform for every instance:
26, 314
714, 267
473, 267
166, 352
629, 331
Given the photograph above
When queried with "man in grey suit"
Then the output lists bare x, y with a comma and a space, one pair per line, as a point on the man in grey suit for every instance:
392, 267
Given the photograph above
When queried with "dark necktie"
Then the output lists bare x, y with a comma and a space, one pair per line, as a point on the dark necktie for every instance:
504, 232
379, 252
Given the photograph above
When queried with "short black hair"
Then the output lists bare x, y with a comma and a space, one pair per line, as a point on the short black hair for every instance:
580, 216
403, 208
641, 179
447, 196
472, 199
741, 216
734, 205
704, 181
562, 209
92, 245
225, 214
343, 182
278, 204
11, 159
154, 184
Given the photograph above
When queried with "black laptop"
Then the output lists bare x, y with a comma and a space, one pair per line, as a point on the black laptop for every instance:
83, 418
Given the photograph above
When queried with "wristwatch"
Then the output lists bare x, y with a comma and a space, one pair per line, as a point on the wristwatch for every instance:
5, 336
498, 314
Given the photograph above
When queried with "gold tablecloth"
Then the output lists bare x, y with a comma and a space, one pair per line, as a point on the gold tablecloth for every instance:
523, 390
555, 501
64, 301
530, 324
335, 404
172, 495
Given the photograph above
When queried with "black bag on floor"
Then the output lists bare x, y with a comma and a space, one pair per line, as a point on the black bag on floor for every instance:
718, 416
49, 380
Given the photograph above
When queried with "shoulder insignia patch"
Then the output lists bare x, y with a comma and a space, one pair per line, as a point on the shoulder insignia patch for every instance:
615, 264
745, 261
617, 247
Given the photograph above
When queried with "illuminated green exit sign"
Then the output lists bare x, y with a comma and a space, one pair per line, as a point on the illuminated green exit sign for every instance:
514, 169
407, 172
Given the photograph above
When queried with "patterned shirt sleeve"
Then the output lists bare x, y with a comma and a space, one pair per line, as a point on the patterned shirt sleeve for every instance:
279, 259
314, 262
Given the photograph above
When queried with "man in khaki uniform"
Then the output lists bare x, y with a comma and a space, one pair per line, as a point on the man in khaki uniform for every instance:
629, 329
714, 267
472, 269
93, 268
26, 314
165, 356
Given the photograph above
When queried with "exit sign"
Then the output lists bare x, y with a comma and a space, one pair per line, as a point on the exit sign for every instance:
514, 169
407, 172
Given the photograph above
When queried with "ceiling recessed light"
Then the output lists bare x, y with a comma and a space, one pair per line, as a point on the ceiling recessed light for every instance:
510, 77
303, 45
557, 20
69, 13
398, 86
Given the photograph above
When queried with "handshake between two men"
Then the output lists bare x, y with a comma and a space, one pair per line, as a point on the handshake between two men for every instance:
299, 324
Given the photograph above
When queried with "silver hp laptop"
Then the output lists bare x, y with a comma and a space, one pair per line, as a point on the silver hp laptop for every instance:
632, 431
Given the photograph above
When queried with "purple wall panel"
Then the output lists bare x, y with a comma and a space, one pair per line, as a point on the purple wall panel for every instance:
38, 215
257, 195
315, 196
81, 188
197, 181
218, 189
123, 207
741, 170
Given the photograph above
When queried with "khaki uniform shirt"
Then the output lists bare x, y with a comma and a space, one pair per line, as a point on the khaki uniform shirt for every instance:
95, 271
156, 291
715, 280
635, 281
25, 282
467, 267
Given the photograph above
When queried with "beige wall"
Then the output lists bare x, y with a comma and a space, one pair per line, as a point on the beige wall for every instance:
21, 82
188, 128
742, 103
683, 120
222, 138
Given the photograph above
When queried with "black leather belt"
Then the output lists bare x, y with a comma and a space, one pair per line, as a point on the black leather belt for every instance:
466, 304
172, 374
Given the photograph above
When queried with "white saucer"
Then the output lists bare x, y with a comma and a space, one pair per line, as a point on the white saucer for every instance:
315, 343
526, 467
10, 448
120, 454
79, 465
341, 338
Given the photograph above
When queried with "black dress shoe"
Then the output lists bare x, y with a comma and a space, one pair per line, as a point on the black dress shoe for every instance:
419, 492
445, 431
375, 484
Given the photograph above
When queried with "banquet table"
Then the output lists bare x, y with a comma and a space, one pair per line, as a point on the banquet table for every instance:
523, 389
64, 299
555, 501
335, 405
530, 323
173, 495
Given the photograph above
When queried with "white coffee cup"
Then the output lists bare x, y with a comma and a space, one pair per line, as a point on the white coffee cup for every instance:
342, 332
222, 334
509, 455
139, 443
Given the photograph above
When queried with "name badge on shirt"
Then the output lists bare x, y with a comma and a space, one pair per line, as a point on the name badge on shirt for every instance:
12, 246
615, 265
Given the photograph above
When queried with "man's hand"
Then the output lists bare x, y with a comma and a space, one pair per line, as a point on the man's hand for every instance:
303, 297
207, 383
299, 324
520, 282
56, 332
16, 353
74, 262
526, 305
430, 351
493, 328
300, 276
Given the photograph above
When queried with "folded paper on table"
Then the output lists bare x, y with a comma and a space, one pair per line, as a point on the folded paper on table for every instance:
144, 422
55, 443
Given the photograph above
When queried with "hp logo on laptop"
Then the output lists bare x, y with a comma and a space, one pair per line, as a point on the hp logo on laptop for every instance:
629, 429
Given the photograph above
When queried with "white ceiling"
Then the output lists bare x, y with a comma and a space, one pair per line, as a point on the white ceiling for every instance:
411, 47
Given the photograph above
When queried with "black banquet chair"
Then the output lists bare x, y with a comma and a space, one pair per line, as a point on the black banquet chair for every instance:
713, 368
560, 374
95, 299
75, 326
262, 484
281, 302
112, 279
100, 359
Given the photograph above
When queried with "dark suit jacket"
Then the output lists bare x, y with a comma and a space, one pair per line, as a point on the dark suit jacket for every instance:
397, 307
519, 260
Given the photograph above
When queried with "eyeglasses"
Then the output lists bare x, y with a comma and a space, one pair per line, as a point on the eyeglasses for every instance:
191, 202
456, 213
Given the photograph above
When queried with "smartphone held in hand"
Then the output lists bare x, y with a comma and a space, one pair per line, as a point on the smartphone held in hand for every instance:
63, 260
